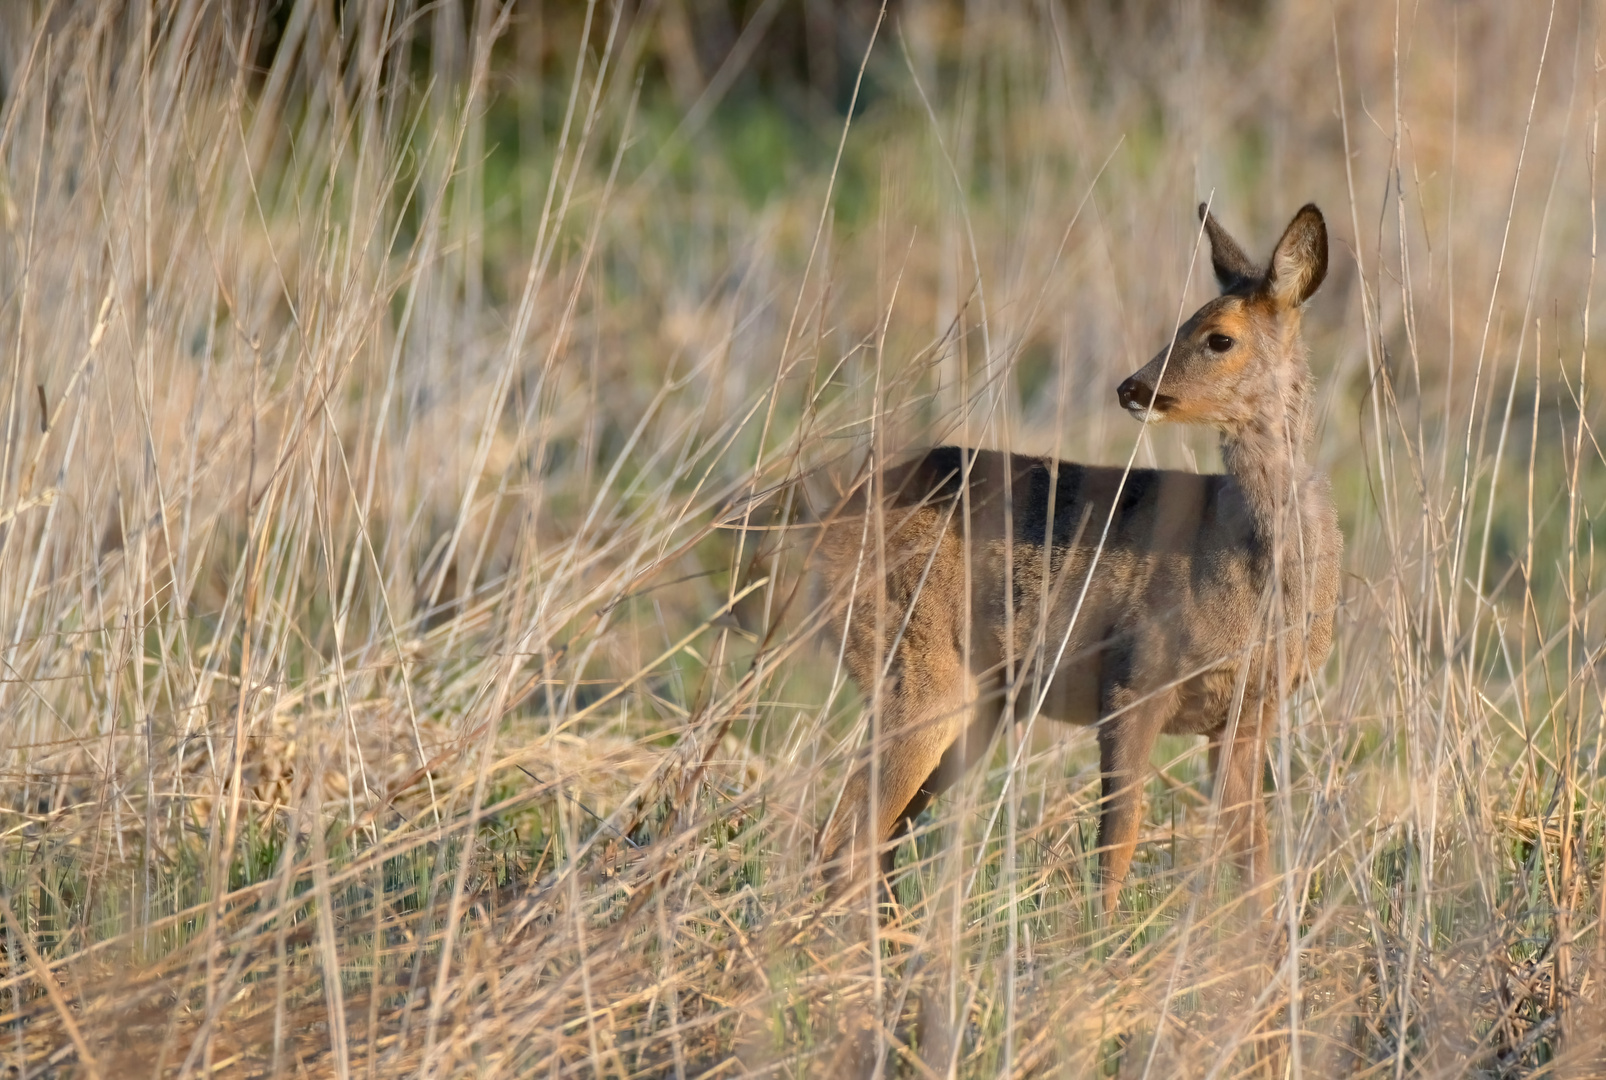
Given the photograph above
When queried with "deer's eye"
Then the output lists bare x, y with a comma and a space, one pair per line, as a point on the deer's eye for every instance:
1219, 342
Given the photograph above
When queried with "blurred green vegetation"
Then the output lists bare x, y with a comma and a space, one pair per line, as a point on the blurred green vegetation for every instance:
328, 526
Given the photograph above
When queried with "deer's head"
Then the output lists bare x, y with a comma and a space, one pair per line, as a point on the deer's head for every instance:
1240, 353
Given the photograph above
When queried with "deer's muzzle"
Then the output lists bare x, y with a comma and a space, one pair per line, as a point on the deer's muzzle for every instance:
1138, 398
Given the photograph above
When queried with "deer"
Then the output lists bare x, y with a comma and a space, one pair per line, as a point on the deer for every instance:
974, 585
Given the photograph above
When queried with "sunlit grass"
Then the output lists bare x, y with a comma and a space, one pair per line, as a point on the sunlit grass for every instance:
380, 694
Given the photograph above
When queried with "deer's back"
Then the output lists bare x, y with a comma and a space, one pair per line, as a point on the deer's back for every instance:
1118, 583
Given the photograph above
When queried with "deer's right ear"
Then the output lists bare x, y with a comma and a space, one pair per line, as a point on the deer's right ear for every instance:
1233, 268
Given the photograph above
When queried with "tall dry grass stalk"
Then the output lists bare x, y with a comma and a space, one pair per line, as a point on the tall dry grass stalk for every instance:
380, 696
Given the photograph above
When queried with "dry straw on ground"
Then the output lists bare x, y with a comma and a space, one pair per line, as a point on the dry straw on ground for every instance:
379, 696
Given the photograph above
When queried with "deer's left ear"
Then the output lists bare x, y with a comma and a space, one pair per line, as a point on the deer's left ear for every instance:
1299, 263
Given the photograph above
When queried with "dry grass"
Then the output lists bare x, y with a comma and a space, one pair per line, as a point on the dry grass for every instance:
379, 696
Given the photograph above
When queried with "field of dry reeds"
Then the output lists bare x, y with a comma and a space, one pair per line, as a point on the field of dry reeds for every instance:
379, 695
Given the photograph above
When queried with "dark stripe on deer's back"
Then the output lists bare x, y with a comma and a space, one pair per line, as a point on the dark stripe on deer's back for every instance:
1181, 505
1157, 510
932, 479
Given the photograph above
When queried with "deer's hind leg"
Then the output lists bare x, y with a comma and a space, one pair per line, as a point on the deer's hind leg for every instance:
924, 713
962, 754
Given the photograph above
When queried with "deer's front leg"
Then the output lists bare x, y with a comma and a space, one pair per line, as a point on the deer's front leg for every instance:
1126, 741
1237, 769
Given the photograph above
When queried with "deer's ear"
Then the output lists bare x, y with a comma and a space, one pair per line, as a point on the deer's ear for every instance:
1233, 268
1299, 263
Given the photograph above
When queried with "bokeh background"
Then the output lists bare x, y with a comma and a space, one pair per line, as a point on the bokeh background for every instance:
380, 694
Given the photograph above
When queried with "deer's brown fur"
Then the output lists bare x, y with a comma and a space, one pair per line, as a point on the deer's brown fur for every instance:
1158, 601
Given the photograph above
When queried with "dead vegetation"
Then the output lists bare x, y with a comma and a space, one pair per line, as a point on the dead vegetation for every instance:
379, 695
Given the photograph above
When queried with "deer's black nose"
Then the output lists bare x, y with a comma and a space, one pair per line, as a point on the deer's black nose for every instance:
1134, 393
1139, 399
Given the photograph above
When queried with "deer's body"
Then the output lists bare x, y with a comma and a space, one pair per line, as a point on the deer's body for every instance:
1143, 602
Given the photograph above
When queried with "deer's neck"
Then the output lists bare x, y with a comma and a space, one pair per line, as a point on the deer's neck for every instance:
1267, 458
